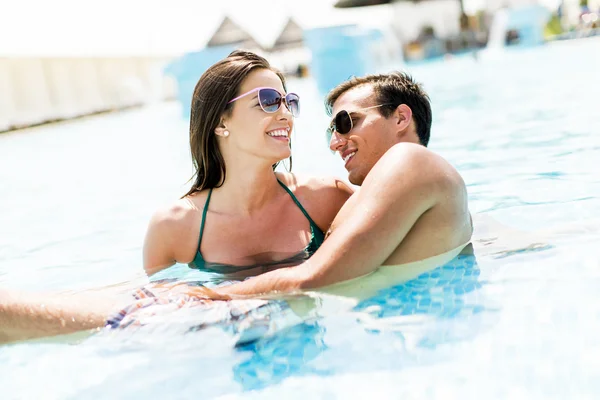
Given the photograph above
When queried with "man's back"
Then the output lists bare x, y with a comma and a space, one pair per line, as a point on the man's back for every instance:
444, 226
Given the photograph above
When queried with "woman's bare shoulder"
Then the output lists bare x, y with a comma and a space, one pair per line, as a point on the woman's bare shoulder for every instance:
171, 235
321, 196
312, 184
177, 219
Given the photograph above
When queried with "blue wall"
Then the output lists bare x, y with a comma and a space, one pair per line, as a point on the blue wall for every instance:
338, 53
529, 21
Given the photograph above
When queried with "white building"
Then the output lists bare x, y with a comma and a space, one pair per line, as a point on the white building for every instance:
34, 89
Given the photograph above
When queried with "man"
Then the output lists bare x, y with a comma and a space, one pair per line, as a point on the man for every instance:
411, 204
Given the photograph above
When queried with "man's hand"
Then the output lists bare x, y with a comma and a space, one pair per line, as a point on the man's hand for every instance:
182, 288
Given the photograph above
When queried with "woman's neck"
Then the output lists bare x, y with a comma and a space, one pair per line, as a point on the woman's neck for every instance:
247, 188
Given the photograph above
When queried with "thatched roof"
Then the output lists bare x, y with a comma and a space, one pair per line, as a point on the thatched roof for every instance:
231, 33
291, 36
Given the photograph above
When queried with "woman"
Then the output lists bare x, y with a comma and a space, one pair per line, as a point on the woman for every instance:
240, 215
240, 218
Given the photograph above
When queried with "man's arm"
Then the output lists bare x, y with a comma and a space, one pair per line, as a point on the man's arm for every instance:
403, 185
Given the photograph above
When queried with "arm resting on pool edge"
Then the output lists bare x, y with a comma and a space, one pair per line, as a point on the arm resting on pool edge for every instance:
406, 183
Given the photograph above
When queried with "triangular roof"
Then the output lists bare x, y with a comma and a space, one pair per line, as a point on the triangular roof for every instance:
231, 33
292, 35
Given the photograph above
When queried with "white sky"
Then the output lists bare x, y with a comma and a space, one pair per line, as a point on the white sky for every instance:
169, 27
56, 27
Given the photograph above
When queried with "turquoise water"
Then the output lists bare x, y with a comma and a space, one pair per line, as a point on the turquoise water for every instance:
523, 130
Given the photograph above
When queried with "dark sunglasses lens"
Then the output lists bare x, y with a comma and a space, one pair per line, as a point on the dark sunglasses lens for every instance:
269, 99
293, 102
343, 122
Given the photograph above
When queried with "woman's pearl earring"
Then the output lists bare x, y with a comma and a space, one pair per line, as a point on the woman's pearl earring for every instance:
225, 133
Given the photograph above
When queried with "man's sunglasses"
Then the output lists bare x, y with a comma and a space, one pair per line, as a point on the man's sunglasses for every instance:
270, 100
342, 122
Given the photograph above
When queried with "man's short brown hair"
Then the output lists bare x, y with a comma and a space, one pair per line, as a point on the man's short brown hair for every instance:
394, 89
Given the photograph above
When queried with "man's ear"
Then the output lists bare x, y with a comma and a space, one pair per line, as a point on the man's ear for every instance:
403, 115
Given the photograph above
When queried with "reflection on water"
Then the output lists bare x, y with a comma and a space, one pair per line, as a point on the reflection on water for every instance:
288, 353
439, 307
446, 292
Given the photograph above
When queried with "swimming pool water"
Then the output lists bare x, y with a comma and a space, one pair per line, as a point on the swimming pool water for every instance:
523, 130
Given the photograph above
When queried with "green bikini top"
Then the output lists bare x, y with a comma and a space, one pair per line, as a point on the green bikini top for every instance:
317, 238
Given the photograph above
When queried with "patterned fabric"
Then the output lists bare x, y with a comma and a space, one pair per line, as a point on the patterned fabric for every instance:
248, 319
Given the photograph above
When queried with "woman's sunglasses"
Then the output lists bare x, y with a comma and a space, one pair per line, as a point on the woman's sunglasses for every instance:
270, 100
342, 122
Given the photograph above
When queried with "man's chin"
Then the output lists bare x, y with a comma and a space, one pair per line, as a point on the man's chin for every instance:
355, 179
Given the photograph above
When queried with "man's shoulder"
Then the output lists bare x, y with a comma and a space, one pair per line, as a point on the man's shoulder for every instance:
403, 152
409, 163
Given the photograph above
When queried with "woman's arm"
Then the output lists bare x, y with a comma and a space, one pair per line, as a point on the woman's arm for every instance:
171, 236
158, 248
34, 315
